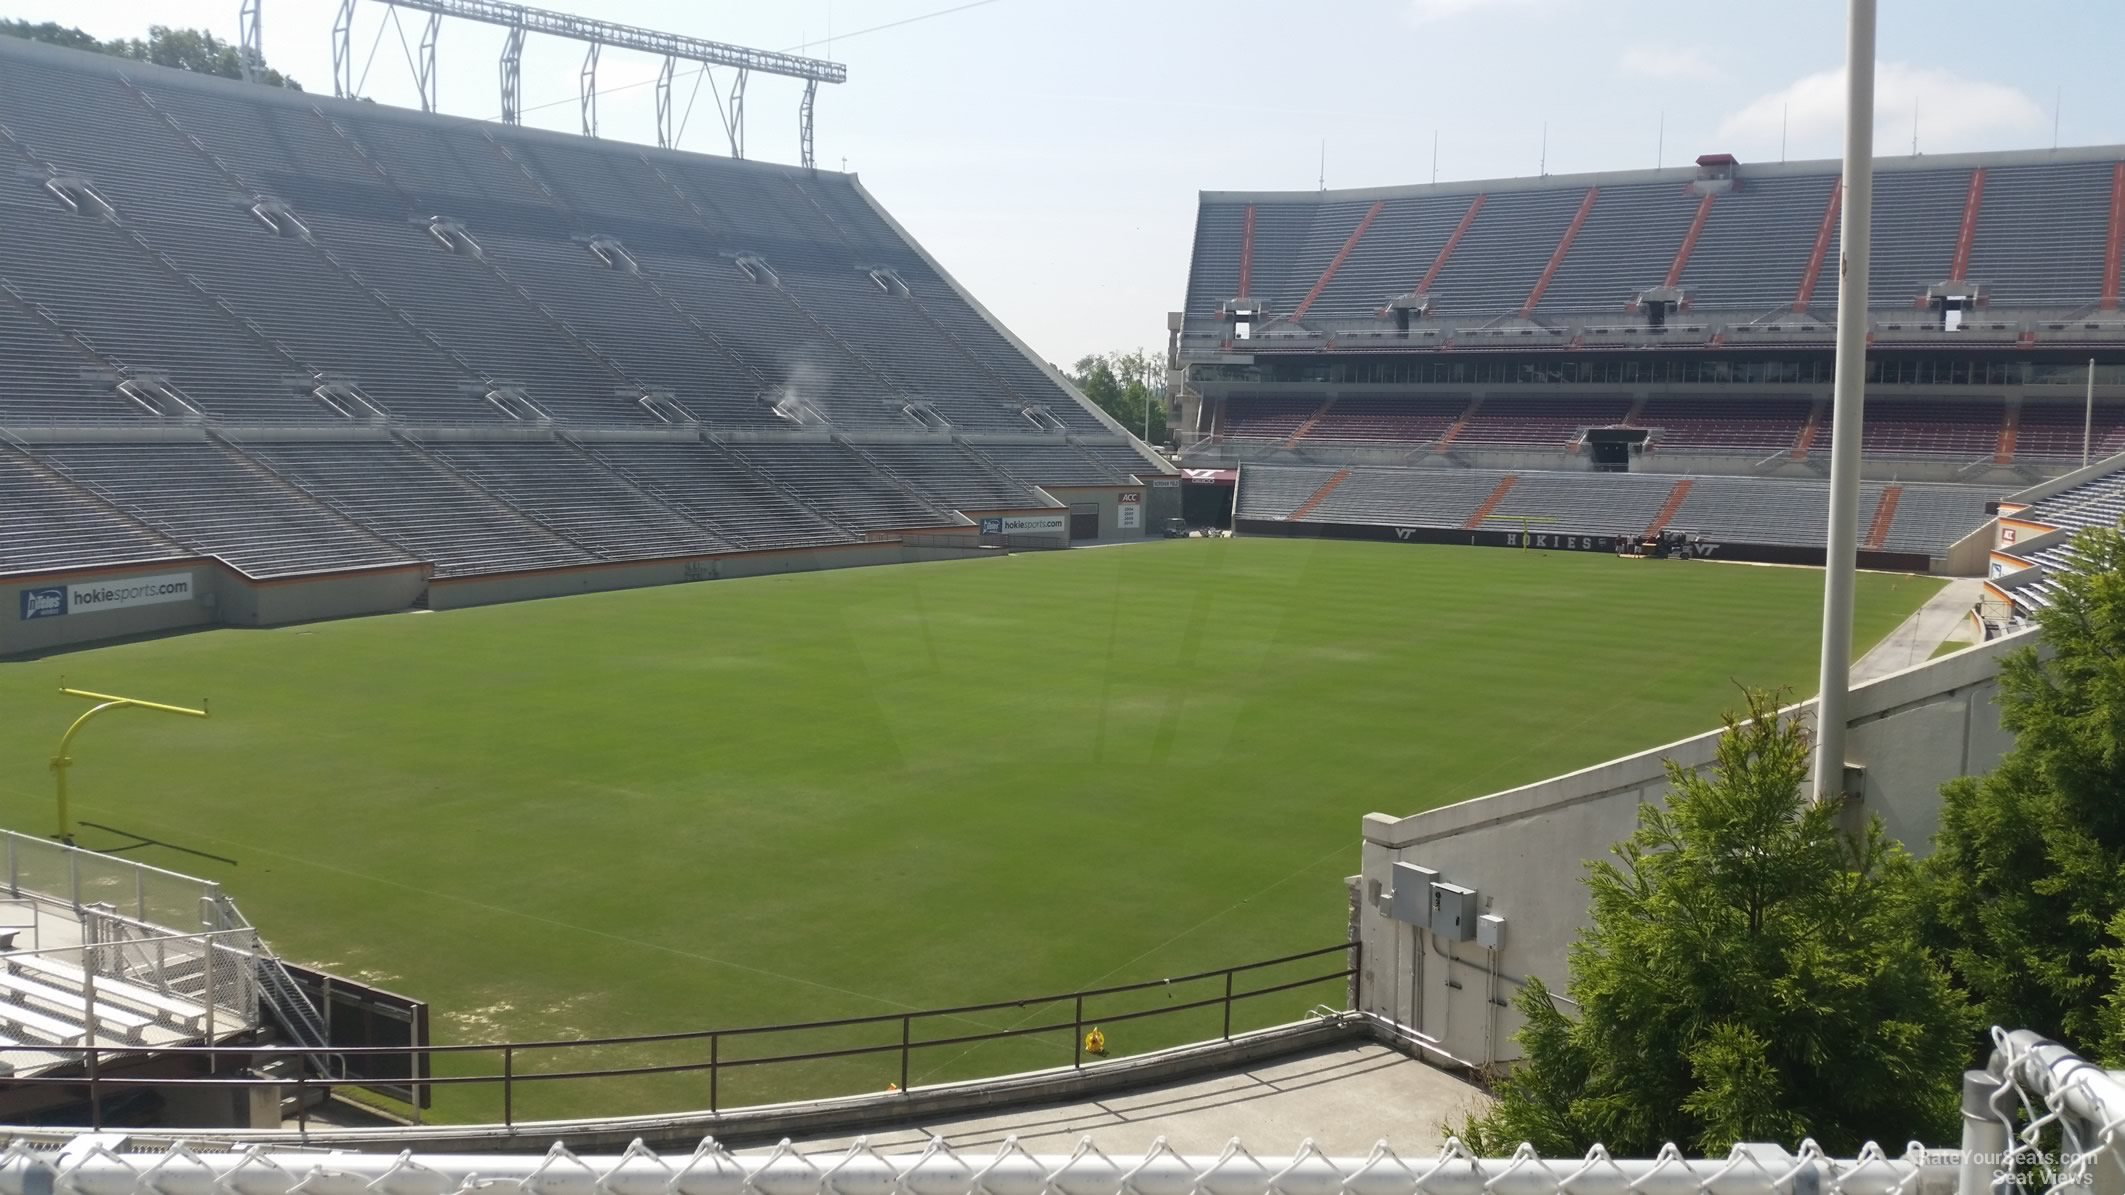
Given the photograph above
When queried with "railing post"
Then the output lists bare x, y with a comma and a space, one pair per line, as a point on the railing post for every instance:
95, 1089
212, 1059
73, 878
508, 1085
905, 1022
1077, 1035
14, 870
88, 1004
1228, 1004
715, 1041
302, 1097
140, 894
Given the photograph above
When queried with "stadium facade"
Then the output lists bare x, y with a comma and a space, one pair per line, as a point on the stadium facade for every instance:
1632, 351
267, 357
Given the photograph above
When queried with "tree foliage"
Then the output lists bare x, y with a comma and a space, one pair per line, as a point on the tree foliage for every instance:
2027, 877
1752, 972
184, 49
1123, 385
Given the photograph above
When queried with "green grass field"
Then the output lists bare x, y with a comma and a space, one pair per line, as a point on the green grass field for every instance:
873, 790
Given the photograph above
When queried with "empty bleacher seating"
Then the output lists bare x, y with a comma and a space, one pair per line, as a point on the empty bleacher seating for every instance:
1725, 510
1930, 517
412, 501
1052, 464
1758, 425
570, 495
1538, 422
1498, 262
46, 523
1951, 429
1409, 421
1625, 246
1268, 417
703, 481
215, 502
839, 482
1275, 491
2098, 502
952, 476
2050, 431
223, 270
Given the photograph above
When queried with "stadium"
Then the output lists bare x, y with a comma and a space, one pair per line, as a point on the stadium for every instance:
604, 652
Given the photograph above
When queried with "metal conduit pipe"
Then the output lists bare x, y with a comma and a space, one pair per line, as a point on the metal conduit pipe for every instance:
87, 1168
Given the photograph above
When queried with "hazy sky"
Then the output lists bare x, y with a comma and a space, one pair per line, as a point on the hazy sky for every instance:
1048, 152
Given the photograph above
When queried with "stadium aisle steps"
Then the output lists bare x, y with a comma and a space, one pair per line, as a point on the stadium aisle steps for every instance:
2010, 429
1320, 495
1809, 431
1884, 516
1459, 425
1497, 495
1674, 502
1312, 421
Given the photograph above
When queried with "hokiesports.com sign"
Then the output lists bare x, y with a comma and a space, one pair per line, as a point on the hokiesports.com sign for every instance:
90, 597
1024, 525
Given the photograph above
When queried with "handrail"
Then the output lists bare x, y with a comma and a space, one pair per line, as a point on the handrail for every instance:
241, 1066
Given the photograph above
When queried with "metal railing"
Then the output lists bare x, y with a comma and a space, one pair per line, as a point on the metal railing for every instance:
712, 1052
146, 903
39, 869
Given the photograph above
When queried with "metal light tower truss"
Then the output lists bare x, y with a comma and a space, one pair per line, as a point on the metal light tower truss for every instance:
424, 69
252, 52
519, 20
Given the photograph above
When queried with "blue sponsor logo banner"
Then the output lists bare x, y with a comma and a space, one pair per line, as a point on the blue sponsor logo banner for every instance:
992, 526
46, 602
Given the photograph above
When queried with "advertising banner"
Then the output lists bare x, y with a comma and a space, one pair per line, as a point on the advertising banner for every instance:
91, 597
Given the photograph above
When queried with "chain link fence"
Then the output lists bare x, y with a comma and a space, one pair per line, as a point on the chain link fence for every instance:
2041, 1119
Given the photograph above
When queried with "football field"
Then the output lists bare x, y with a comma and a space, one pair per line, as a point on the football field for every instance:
866, 791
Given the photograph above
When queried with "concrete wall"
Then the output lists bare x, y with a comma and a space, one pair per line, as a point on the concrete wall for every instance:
1524, 850
453, 593
19, 635
220, 596
1108, 499
247, 603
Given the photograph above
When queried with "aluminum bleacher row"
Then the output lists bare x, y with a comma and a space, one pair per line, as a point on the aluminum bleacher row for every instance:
2097, 502
1740, 241
1924, 519
1948, 429
307, 335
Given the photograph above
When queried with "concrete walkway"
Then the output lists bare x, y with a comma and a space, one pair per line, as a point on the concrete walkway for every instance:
1344, 1098
1912, 642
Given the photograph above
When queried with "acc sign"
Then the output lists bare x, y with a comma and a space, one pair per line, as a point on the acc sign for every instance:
51, 601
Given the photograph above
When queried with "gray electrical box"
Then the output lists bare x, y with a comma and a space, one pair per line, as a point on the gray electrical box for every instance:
1453, 912
1410, 898
1490, 931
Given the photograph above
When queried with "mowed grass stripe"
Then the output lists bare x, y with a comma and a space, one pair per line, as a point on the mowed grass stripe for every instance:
865, 791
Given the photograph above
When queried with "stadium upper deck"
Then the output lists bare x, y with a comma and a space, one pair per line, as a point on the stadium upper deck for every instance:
2019, 248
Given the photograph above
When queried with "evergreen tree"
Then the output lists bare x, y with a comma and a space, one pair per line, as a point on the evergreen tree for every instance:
2027, 877
1752, 972
185, 49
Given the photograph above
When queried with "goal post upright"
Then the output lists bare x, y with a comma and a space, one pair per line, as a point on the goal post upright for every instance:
61, 760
